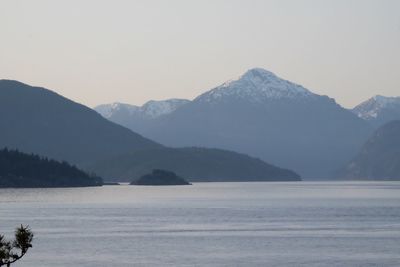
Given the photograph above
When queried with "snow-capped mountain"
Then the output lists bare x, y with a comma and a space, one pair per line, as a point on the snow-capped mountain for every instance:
379, 110
137, 117
109, 110
262, 115
256, 85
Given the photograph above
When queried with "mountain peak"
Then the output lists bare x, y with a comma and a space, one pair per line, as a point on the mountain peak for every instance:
374, 107
258, 73
256, 85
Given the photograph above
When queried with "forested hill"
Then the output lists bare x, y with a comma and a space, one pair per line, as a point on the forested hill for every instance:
18, 169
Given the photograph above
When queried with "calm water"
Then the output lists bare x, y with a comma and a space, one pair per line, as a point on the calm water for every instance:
210, 224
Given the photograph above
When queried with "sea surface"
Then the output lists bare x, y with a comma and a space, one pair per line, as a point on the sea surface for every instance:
209, 224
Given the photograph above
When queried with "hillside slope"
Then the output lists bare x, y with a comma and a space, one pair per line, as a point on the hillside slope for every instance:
34, 119
379, 158
195, 164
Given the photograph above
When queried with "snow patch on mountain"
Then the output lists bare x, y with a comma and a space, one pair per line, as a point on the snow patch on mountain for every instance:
256, 85
154, 109
151, 109
108, 110
370, 109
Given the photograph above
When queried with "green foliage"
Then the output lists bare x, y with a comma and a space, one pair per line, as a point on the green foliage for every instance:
11, 251
18, 169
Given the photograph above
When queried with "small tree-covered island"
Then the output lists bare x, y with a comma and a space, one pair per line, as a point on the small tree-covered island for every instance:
20, 170
160, 177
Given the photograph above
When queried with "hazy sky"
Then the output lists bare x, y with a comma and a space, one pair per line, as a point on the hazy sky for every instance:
95, 51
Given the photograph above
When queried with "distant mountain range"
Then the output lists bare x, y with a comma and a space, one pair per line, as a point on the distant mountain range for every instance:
150, 110
379, 110
36, 120
139, 117
264, 116
379, 158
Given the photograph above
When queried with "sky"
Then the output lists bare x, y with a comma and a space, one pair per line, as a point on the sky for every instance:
97, 51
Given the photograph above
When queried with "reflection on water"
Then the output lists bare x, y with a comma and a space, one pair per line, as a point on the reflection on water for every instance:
210, 224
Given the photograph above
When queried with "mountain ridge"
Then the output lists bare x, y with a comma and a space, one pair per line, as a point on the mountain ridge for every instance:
151, 109
59, 127
267, 117
37, 120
